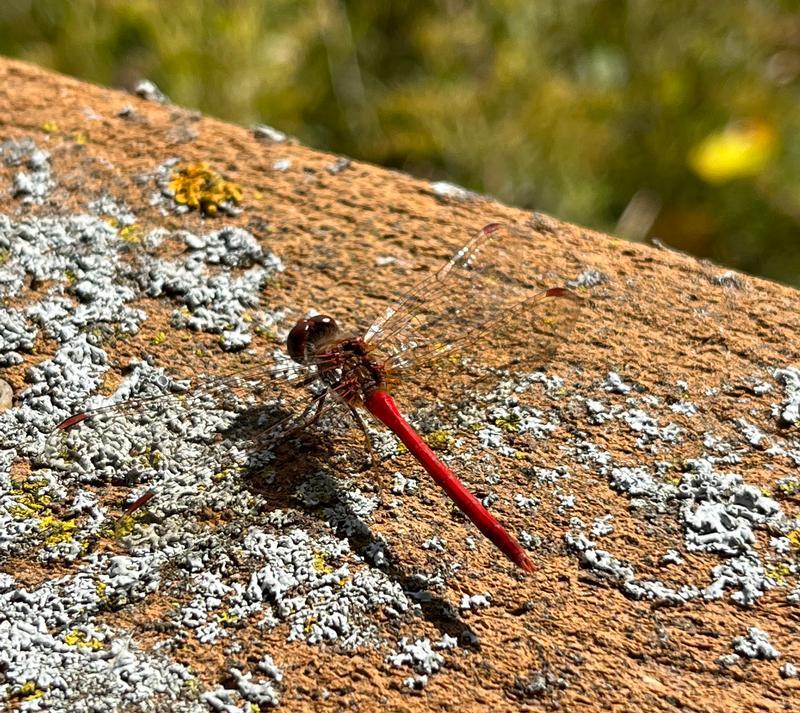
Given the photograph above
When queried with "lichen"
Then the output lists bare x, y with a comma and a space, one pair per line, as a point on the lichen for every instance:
131, 234
439, 440
794, 538
56, 531
78, 637
779, 573
199, 187
29, 691
320, 565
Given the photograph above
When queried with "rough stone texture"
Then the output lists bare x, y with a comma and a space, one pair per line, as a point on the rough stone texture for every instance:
652, 471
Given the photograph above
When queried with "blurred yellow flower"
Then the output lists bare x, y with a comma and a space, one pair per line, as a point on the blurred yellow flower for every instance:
740, 149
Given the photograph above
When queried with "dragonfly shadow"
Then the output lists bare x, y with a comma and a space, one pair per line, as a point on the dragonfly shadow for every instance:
299, 473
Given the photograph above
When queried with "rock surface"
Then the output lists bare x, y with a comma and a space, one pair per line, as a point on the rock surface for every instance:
651, 466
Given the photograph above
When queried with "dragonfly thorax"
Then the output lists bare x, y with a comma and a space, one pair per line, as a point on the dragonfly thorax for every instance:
346, 367
342, 363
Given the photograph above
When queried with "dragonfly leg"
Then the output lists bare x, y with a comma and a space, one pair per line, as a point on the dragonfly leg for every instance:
373, 456
305, 421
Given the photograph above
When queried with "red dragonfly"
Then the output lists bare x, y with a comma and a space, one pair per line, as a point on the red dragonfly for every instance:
486, 293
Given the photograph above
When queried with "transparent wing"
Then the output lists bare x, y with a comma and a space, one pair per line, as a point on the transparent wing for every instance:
203, 421
489, 301
152, 391
221, 426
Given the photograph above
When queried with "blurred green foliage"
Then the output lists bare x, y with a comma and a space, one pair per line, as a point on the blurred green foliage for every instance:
671, 119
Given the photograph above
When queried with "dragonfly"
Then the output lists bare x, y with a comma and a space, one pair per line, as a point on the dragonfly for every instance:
484, 308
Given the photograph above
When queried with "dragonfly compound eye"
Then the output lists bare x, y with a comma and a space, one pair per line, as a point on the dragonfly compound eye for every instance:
308, 334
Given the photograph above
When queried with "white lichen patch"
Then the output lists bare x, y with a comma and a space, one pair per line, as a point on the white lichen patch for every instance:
315, 586
55, 658
34, 181
421, 657
788, 411
756, 645
715, 509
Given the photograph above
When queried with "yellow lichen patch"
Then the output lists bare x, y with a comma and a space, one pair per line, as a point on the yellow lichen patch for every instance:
56, 531
123, 526
201, 188
102, 590
131, 234
29, 691
794, 538
150, 458
790, 487
226, 618
221, 475
508, 424
266, 333
779, 573
309, 627
29, 502
159, 338
76, 637
80, 138
439, 440
50, 127
320, 565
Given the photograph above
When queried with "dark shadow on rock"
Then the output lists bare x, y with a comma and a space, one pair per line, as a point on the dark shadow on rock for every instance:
304, 459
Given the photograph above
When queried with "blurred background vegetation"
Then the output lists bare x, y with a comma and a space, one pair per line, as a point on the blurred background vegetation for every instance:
676, 119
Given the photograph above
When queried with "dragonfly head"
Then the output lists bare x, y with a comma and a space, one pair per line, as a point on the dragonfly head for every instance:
308, 334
